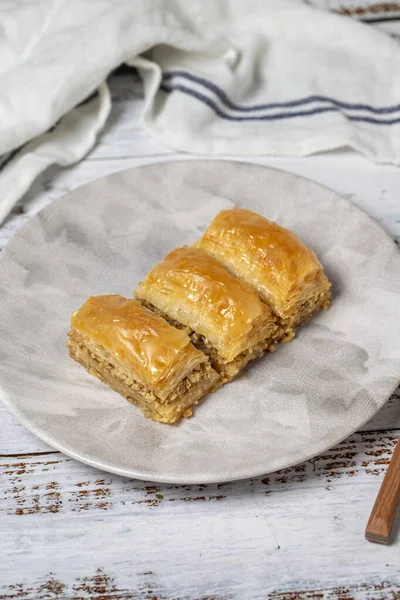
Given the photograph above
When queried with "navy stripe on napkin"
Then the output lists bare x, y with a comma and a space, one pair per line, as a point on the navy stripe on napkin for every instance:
323, 104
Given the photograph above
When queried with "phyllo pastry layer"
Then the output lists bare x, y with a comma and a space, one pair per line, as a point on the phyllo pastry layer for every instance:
223, 314
141, 356
285, 272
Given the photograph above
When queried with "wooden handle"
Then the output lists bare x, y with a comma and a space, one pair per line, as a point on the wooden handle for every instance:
384, 510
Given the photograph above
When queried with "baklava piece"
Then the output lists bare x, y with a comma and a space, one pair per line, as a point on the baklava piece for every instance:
223, 315
285, 272
141, 356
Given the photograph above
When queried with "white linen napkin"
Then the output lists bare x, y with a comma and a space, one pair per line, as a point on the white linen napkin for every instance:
256, 77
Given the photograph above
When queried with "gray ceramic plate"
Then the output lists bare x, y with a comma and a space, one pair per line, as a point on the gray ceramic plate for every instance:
288, 407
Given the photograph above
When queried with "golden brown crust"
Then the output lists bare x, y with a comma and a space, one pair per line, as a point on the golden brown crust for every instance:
284, 271
227, 370
193, 288
142, 343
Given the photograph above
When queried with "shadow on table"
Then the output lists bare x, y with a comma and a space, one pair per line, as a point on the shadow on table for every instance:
395, 533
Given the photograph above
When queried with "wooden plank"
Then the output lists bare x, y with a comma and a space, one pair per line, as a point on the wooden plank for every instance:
363, 455
70, 531
100, 585
361, 459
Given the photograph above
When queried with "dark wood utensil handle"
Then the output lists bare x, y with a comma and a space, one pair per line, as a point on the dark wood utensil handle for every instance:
384, 510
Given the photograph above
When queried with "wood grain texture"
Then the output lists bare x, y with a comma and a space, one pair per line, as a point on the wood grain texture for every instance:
384, 511
364, 455
67, 526
71, 532
102, 586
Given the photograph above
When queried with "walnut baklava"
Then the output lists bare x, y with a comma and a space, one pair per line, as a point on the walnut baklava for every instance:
141, 356
285, 272
222, 314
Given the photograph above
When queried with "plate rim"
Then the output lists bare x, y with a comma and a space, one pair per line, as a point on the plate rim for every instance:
141, 476
45, 213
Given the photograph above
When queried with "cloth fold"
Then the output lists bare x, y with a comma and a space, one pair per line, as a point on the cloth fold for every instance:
256, 77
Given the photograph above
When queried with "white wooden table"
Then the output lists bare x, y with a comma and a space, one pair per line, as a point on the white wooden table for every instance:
68, 531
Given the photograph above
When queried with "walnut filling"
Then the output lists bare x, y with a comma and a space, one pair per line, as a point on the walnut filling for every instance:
300, 315
199, 373
226, 369
179, 403
285, 333
311, 306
